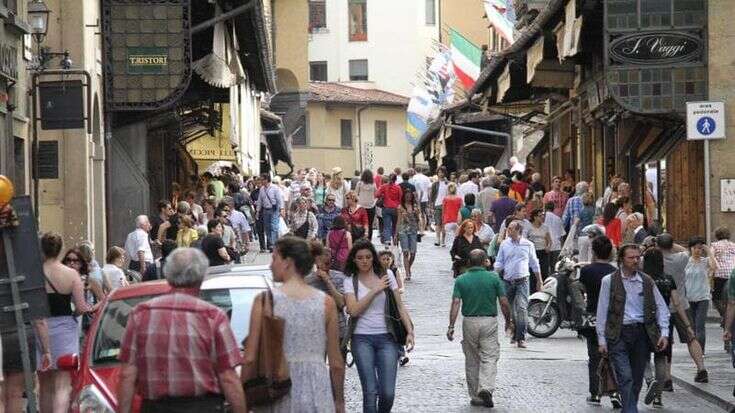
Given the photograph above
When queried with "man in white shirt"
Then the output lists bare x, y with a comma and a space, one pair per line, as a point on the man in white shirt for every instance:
469, 187
556, 229
423, 185
515, 165
438, 192
138, 247
486, 197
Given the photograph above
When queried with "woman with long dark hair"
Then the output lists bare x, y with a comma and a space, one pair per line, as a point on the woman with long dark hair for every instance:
653, 265
374, 348
366, 198
409, 222
613, 225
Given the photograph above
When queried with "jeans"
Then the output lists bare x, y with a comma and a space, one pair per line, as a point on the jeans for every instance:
698, 314
371, 219
260, 230
593, 359
629, 355
376, 358
271, 221
389, 221
517, 293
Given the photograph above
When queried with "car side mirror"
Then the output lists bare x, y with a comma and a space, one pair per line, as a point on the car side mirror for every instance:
68, 362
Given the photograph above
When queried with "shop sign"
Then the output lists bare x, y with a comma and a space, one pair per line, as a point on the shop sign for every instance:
8, 61
147, 60
655, 48
705, 120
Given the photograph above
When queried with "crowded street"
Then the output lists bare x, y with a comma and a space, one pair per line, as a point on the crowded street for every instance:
331, 206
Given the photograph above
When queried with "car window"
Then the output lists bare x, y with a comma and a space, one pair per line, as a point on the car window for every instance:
237, 303
112, 328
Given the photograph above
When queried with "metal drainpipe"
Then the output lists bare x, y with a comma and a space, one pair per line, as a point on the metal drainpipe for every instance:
358, 112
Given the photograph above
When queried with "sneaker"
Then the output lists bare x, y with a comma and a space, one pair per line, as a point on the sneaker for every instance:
652, 392
436, 244
702, 377
594, 400
521, 344
476, 402
668, 386
615, 400
657, 403
487, 398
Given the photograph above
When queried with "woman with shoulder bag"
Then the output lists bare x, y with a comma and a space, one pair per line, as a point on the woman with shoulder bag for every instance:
379, 326
356, 216
366, 198
339, 242
311, 329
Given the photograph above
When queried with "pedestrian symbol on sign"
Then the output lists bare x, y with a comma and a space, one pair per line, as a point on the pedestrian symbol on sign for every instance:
706, 125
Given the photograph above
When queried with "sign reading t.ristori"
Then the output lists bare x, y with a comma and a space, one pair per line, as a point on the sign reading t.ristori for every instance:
147, 60
655, 48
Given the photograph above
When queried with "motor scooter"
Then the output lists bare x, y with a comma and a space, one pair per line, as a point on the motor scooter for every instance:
545, 313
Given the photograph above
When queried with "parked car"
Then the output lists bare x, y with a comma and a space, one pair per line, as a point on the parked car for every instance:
96, 372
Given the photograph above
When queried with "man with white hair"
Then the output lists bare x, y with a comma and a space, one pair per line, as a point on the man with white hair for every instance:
515, 165
200, 372
575, 204
138, 247
635, 223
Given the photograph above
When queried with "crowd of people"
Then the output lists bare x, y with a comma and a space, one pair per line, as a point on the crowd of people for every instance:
341, 291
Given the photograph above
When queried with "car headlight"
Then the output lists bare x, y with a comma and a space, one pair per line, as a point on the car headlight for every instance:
91, 400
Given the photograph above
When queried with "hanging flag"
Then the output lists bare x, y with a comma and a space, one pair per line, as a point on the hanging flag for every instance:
466, 59
502, 18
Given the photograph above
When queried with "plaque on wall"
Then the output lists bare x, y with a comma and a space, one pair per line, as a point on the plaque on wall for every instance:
147, 46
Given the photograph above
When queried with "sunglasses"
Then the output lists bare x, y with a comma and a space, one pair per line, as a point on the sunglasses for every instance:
73, 260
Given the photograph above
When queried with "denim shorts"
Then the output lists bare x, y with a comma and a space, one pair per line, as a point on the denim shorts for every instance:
408, 242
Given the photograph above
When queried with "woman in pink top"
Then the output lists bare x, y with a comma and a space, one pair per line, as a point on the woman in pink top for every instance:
391, 195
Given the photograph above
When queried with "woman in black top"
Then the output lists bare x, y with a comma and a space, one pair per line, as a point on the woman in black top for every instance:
653, 265
465, 242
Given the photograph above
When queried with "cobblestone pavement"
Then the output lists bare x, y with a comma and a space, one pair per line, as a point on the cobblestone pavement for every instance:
549, 376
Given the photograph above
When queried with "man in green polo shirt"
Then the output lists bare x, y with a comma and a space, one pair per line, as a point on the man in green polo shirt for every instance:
478, 292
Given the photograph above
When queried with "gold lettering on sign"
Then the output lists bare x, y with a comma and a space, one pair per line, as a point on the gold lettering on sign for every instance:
138, 60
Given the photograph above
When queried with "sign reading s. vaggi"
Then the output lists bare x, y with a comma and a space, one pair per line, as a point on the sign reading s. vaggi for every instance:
146, 60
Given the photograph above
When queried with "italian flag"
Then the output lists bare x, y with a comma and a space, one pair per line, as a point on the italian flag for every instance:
466, 58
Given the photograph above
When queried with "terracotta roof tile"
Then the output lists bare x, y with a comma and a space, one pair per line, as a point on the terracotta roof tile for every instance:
331, 92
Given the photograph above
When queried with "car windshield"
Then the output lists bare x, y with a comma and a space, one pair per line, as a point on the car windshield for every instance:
236, 302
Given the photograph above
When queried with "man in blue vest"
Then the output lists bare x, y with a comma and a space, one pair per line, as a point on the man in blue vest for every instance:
632, 321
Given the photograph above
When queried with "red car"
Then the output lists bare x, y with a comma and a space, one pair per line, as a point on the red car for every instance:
96, 372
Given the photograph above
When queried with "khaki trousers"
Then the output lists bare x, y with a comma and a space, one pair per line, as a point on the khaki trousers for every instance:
481, 352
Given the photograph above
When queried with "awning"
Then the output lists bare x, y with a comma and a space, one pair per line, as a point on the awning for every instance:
665, 143
276, 141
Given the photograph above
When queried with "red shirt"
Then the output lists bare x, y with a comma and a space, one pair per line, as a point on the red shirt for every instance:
559, 199
614, 231
178, 343
450, 209
378, 179
359, 218
521, 187
391, 194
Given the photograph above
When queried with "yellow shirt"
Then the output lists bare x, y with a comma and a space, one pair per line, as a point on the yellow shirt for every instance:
185, 237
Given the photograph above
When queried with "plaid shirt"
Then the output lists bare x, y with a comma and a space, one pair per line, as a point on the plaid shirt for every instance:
574, 207
724, 251
178, 343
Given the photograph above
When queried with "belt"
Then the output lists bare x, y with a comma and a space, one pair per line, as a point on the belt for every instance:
633, 325
517, 280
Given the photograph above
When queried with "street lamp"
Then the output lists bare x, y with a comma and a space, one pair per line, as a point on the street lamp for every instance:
38, 14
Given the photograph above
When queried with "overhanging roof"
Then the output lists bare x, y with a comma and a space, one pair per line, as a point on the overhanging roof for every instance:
333, 92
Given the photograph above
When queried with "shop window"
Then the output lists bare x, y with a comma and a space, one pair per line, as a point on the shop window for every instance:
20, 166
301, 136
345, 132
359, 69
381, 133
689, 13
357, 15
318, 71
317, 15
430, 12
48, 160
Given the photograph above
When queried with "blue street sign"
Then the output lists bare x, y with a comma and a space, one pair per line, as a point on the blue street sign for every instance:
706, 125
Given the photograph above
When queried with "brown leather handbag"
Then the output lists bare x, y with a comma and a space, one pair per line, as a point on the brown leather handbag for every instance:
606, 375
266, 379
